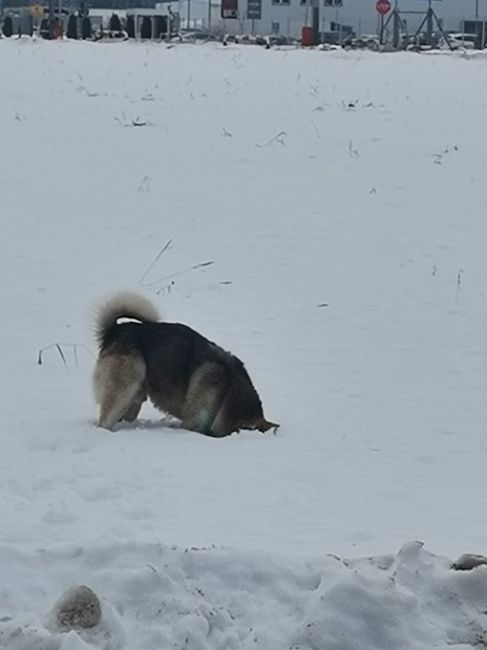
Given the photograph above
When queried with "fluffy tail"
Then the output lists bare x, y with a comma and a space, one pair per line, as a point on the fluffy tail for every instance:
122, 305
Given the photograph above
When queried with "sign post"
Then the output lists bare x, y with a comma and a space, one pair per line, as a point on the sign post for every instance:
382, 7
338, 25
254, 9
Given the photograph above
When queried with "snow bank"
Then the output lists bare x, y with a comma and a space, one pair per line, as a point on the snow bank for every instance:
215, 599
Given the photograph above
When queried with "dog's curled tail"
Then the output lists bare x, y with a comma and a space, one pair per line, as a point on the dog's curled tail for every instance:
122, 305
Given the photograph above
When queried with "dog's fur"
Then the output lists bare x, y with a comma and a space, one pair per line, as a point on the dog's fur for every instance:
182, 373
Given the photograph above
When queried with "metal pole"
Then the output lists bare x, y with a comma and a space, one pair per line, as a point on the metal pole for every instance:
209, 17
476, 9
169, 21
396, 29
429, 24
315, 19
188, 15
337, 18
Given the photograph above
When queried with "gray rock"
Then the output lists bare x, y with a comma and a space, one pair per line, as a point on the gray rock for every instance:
469, 561
79, 607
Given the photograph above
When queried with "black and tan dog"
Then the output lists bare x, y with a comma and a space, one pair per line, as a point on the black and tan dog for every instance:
182, 373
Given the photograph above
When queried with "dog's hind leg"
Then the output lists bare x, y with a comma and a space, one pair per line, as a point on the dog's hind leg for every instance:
203, 398
118, 381
221, 425
133, 410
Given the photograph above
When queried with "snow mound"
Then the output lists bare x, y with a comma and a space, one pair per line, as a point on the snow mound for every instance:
154, 596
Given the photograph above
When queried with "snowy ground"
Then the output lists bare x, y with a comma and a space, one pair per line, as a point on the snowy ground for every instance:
340, 197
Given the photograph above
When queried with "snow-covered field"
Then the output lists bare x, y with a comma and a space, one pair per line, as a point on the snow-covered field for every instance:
340, 199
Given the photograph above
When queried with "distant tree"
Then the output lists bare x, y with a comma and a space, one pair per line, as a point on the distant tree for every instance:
86, 31
160, 27
130, 27
72, 30
8, 27
57, 28
114, 24
83, 9
146, 28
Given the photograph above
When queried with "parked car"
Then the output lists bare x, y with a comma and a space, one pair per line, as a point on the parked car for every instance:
366, 41
458, 41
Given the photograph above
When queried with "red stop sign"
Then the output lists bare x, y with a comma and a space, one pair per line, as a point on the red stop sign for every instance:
383, 7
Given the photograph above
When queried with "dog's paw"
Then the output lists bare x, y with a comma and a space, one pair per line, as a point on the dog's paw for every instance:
171, 422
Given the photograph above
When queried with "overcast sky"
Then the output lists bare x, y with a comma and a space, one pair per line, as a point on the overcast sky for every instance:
362, 14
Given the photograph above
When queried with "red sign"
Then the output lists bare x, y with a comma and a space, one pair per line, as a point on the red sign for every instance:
229, 9
383, 7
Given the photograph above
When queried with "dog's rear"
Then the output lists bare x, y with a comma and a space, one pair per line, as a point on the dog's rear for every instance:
120, 370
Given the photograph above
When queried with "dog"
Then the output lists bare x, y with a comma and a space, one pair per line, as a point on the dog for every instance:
183, 374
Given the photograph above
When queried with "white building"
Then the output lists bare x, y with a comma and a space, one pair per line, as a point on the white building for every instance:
280, 17
286, 17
